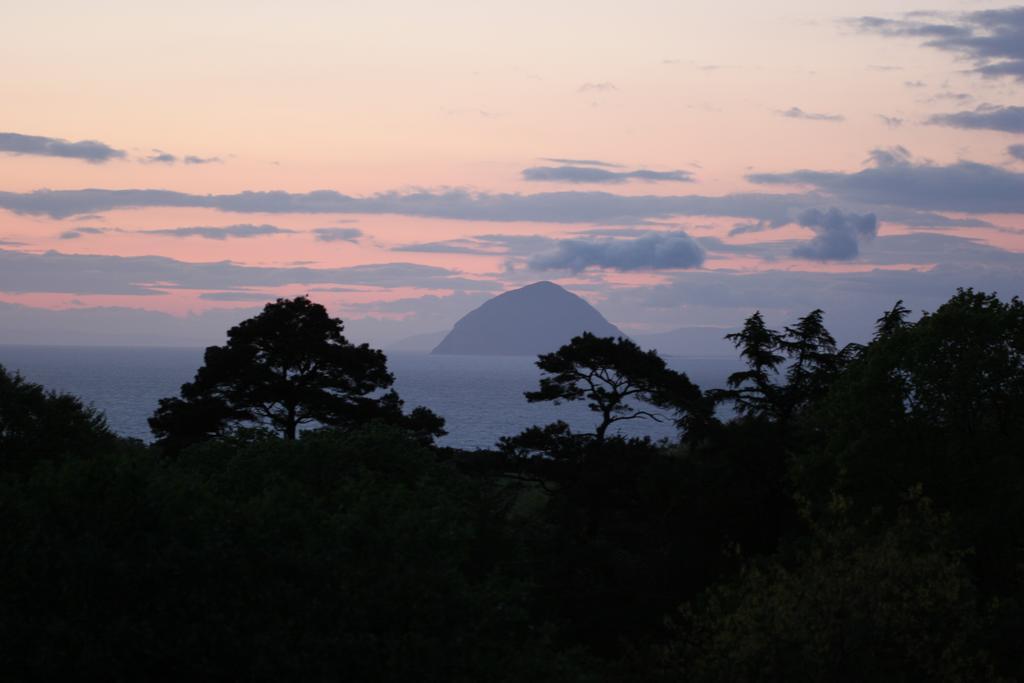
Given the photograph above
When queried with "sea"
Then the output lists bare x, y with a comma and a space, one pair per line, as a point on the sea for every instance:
480, 397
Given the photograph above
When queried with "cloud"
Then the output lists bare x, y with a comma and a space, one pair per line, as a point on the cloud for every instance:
896, 181
243, 230
925, 248
547, 207
483, 245
651, 252
588, 174
87, 150
930, 248
1016, 151
837, 235
891, 121
597, 87
851, 300
581, 162
985, 117
160, 157
22, 272
567, 207
237, 296
457, 246
337, 234
768, 251
954, 96
747, 228
116, 326
917, 248
80, 232
992, 39
891, 156
798, 113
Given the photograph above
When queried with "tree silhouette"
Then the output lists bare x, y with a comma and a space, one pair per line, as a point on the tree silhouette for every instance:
609, 373
36, 424
284, 368
893, 320
753, 389
815, 359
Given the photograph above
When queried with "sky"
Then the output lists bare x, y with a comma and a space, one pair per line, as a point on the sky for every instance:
167, 168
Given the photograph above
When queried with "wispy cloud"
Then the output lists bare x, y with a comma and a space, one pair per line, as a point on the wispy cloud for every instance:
798, 113
581, 162
76, 233
237, 296
483, 245
597, 175
243, 230
338, 234
603, 86
160, 157
154, 275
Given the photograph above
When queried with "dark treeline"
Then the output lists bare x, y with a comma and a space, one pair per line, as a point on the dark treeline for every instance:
859, 518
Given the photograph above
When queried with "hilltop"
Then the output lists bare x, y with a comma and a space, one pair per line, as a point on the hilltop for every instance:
538, 318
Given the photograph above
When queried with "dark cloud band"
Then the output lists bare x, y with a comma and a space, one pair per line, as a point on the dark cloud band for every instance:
985, 117
900, 192
896, 181
87, 150
153, 275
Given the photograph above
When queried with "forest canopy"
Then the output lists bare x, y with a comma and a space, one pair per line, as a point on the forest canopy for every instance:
854, 515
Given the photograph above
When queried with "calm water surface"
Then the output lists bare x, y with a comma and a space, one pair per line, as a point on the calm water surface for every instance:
481, 397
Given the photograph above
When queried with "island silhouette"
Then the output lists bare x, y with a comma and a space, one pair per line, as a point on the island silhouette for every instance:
535, 319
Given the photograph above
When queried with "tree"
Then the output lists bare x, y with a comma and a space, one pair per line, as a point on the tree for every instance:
37, 424
753, 389
847, 603
892, 321
286, 367
815, 359
609, 373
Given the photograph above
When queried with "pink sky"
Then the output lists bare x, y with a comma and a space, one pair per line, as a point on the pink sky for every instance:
406, 97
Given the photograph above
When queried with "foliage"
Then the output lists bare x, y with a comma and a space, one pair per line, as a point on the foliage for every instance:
754, 390
815, 360
852, 604
610, 374
36, 424
859, 518
354, 557
286, 367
